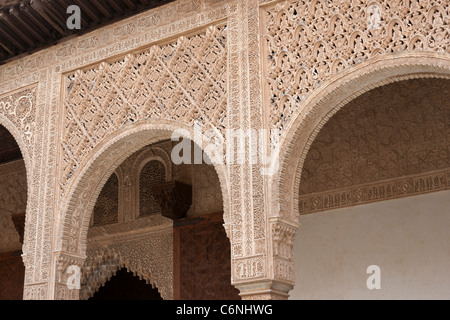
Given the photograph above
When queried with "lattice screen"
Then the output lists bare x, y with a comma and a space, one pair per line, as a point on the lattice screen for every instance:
153, 172
106, 209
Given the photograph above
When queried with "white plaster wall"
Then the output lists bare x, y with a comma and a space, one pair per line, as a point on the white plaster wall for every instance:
409, 239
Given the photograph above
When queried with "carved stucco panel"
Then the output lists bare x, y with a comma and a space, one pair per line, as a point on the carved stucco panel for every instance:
308, 42
182, 80
45, 68
149, 257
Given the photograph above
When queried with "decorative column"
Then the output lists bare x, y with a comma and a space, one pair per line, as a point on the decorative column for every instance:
262, 262
246, 225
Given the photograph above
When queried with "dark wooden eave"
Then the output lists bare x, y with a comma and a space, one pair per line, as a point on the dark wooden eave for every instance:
30, 25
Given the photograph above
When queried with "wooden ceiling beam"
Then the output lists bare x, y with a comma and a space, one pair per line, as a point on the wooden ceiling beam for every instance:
103, 9
130, 4
7, 46
115, 6
27, 11
85, 6
61, 6
40, 10
8, 21
28, 25
58, 14
7, 33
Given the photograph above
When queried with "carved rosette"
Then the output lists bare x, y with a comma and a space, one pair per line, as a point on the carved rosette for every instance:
19, 108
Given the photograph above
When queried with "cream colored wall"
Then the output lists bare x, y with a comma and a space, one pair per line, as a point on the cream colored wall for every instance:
409, 239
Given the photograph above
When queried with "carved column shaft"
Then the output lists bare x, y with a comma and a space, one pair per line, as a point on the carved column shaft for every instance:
251, 257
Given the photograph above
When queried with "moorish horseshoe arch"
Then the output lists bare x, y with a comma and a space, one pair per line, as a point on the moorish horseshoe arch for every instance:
71, 242
328, 99
101, 164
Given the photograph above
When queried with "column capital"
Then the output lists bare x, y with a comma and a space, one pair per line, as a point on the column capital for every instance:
265, 290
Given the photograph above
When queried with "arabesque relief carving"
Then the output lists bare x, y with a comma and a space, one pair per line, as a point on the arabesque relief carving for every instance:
307, 42
237, 64
183, 80
149, 257
19, 107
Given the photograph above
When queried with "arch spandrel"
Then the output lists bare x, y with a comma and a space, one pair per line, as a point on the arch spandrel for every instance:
358, 32
100, 166
17, 115
157, 88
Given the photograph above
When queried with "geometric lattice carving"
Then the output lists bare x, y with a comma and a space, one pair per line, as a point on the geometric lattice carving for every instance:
183, 80
153, 172
106, 209
309, 41
392, 141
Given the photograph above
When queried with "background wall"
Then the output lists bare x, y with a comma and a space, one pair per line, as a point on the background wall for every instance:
12, 273
408, 238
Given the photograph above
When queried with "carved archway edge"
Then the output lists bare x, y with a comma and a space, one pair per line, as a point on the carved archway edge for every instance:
23, 133
111, 261
18, 134
103, 161
328, 99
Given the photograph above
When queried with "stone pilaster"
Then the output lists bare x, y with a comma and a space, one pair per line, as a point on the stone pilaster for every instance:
67, 282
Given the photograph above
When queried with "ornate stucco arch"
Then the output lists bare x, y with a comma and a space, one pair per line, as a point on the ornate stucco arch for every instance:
328, 99
71, 242
17, 117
